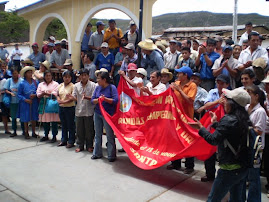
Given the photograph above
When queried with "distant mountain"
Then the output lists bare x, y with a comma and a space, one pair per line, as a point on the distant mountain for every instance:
198, 19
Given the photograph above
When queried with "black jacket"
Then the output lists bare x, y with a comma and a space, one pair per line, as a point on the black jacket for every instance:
226, 128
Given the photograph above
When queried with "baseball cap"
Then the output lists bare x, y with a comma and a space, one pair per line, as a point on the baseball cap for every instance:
104, 45
218, 38
131, 23
130, 46
227, 47
173, 41
35, 44
142, 71
196, 74
224, 78
239, 95
99, 23
57, 43
186, 70
52, 38
132, 66
51, 44
111, 21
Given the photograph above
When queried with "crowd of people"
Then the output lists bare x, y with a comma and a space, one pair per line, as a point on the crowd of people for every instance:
202, 75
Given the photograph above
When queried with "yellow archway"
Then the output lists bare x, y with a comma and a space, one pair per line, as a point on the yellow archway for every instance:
74, 14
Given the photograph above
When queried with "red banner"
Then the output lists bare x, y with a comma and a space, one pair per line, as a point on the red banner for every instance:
153, 130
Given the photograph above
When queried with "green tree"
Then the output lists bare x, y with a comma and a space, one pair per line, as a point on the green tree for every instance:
56, 29
12, 27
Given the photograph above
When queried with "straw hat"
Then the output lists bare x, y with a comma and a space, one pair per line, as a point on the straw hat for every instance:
147, 45
164, 43
27, 61
45, 64
161, 46
25, 69
166, 71
101, 70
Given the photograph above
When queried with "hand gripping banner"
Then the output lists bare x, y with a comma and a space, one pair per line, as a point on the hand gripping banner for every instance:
153, 130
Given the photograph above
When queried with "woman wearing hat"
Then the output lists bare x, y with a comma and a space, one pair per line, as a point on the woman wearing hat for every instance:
233, 127
46, 90
39, 74
28, 103
11, 87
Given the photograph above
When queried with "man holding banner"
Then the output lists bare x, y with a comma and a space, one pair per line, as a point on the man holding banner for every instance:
185, 91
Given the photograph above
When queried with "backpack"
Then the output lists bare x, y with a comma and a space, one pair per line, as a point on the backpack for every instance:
249, 150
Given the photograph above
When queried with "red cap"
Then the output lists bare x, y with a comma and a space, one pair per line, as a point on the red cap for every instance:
35, 44
132, 66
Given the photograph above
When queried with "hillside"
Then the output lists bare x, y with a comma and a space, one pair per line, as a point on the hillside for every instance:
198, 19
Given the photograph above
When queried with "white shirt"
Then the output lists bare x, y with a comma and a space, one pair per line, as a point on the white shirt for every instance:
246, 55
15, 54
157, 89
170, 60
258, 119
136, 80
244, 37
48, 55
232, 63
132, 37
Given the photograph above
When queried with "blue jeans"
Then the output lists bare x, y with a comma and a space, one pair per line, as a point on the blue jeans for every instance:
99, 123
254, 189
228, 181
67, 117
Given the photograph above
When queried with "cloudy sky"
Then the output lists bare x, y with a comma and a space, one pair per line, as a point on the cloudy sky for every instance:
174, 6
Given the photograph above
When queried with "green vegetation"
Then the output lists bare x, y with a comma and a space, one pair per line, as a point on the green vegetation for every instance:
12, 27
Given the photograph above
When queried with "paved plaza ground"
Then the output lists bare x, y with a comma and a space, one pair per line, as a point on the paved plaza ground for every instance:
34, 171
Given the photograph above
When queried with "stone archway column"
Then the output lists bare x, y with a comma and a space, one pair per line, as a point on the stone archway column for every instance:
76, 54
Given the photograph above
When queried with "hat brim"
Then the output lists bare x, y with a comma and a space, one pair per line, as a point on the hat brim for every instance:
25, 69
142, 45
170, 75
27, 62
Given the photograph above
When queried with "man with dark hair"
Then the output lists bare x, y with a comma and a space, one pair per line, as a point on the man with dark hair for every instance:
171, 56
45, 48
187, 61
96, 39
155, 87
89, 65
86, 38
195, 44
229, 42
36, 56
131, 57
16, 56
59, 56
253, 52
206, 59
249, 28
113, 37
179, 46
245, 44
132, 34
187, 43
227, 65
219, 41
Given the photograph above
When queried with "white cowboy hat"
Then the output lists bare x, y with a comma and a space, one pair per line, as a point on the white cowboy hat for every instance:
25, 69
45, 64
101, 70
147, 45
27, 61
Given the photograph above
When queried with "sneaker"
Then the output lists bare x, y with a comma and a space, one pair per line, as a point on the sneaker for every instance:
43, 139
13, 134
188, 171
207, 179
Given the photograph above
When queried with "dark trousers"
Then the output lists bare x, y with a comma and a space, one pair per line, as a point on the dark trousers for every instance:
265, 158
189, 163
17, 63
54, 126
67, 116
85, 131
210, 168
